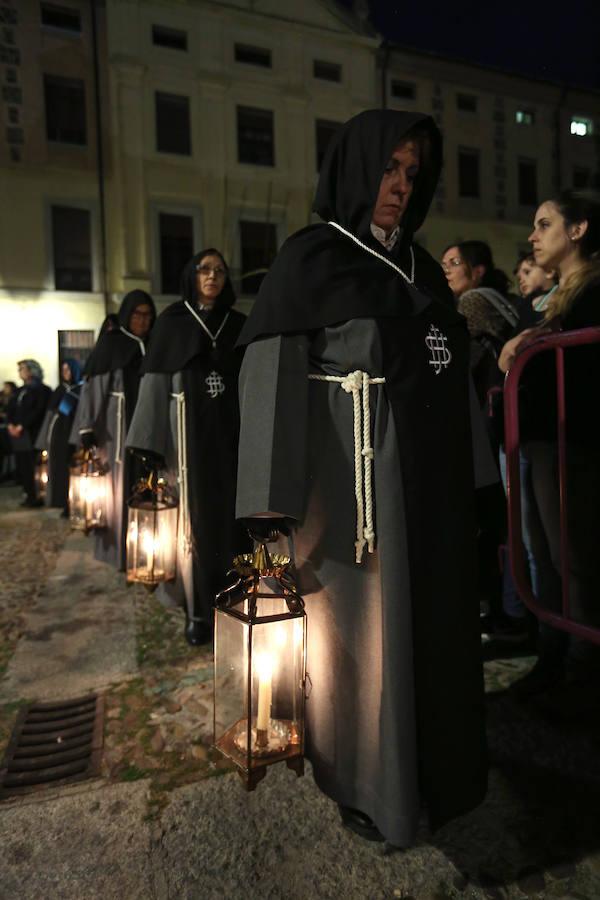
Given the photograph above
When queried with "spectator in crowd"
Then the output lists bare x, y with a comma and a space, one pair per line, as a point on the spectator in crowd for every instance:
565, 237
190, 385
26, 410
395, 715
535, 286
106, 407
8, 389
480, 291
55, 433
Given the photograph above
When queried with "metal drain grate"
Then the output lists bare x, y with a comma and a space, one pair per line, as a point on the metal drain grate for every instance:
53, 744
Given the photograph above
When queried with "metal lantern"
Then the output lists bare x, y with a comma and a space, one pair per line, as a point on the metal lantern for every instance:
88, 490
152, 533
41, 475
260, 640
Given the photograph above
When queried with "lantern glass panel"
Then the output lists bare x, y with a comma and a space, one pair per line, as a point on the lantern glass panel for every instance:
87, 498
151, 543
41, 475
259, 685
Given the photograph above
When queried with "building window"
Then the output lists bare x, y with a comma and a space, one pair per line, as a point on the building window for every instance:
64, 18
581, 127
256, 144
176, 238
173, 124
327, 71
72, 248
324, 132
403, 90
524, 117
466, 103
11, 76
74, 345
258, 242
65, 110
582, 178
468, 173
527, 182
253, 56
171, 38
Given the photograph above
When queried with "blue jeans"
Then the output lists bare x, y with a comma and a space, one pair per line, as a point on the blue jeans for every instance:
511, 602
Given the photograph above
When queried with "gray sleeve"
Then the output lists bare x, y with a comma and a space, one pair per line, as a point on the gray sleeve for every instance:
484, 463
91, 410
273, 432
149, 429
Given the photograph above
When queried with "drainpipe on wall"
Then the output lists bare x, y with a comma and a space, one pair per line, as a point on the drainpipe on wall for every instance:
100, 157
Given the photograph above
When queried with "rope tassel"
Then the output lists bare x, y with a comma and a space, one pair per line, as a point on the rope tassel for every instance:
354, 383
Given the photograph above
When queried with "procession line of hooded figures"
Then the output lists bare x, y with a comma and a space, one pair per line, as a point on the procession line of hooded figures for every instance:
357, 434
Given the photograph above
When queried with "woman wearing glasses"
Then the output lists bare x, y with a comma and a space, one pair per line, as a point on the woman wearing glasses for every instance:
187, 420
105, 409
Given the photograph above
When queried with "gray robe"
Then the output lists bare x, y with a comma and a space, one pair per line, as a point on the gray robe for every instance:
101, 410
360, 710
155, 426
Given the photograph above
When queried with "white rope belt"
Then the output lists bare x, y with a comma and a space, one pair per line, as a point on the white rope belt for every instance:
182, 469
353, 384
120, 401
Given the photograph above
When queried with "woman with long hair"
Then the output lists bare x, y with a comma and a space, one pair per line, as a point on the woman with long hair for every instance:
565, 237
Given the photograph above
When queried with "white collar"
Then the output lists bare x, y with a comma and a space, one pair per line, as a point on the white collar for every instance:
134, 337
379, 234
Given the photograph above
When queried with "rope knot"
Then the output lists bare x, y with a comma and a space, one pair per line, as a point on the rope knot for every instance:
368, 453
352, 382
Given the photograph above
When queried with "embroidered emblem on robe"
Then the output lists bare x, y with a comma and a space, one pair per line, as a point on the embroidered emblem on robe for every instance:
437, 344
215, 385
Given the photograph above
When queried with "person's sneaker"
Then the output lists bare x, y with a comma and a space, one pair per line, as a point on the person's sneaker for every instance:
507, 628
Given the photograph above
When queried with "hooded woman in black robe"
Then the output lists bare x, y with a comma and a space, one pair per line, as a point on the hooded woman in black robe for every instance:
188, 418
55, 433
106, 408
356, 428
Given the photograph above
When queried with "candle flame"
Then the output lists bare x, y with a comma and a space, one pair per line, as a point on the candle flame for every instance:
263, 663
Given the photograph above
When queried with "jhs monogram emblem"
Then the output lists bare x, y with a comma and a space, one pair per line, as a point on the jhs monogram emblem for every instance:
215, 384
438, 347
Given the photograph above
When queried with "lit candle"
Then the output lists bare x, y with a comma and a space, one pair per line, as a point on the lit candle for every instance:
264, 667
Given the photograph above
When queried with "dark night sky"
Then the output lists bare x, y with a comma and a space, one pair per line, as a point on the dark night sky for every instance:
551, 39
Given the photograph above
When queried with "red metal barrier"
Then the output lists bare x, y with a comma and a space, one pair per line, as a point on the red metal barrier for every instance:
557, 343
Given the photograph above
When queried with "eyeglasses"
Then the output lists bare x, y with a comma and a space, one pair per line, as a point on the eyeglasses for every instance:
218, 271
452, 264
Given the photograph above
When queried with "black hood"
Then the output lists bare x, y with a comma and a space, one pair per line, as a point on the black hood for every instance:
114, 349
189, 291
321, 276
355, 162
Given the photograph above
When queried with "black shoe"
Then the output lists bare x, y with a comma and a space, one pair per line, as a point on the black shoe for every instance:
30, 503
198, 632
545, 675
360, 824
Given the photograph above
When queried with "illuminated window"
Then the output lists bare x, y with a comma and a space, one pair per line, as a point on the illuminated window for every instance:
524, 117
581, 127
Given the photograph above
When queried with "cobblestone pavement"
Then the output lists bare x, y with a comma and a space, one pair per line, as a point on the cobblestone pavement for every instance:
159, 824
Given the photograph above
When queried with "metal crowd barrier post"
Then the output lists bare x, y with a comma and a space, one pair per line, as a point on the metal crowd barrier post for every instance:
556, 343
